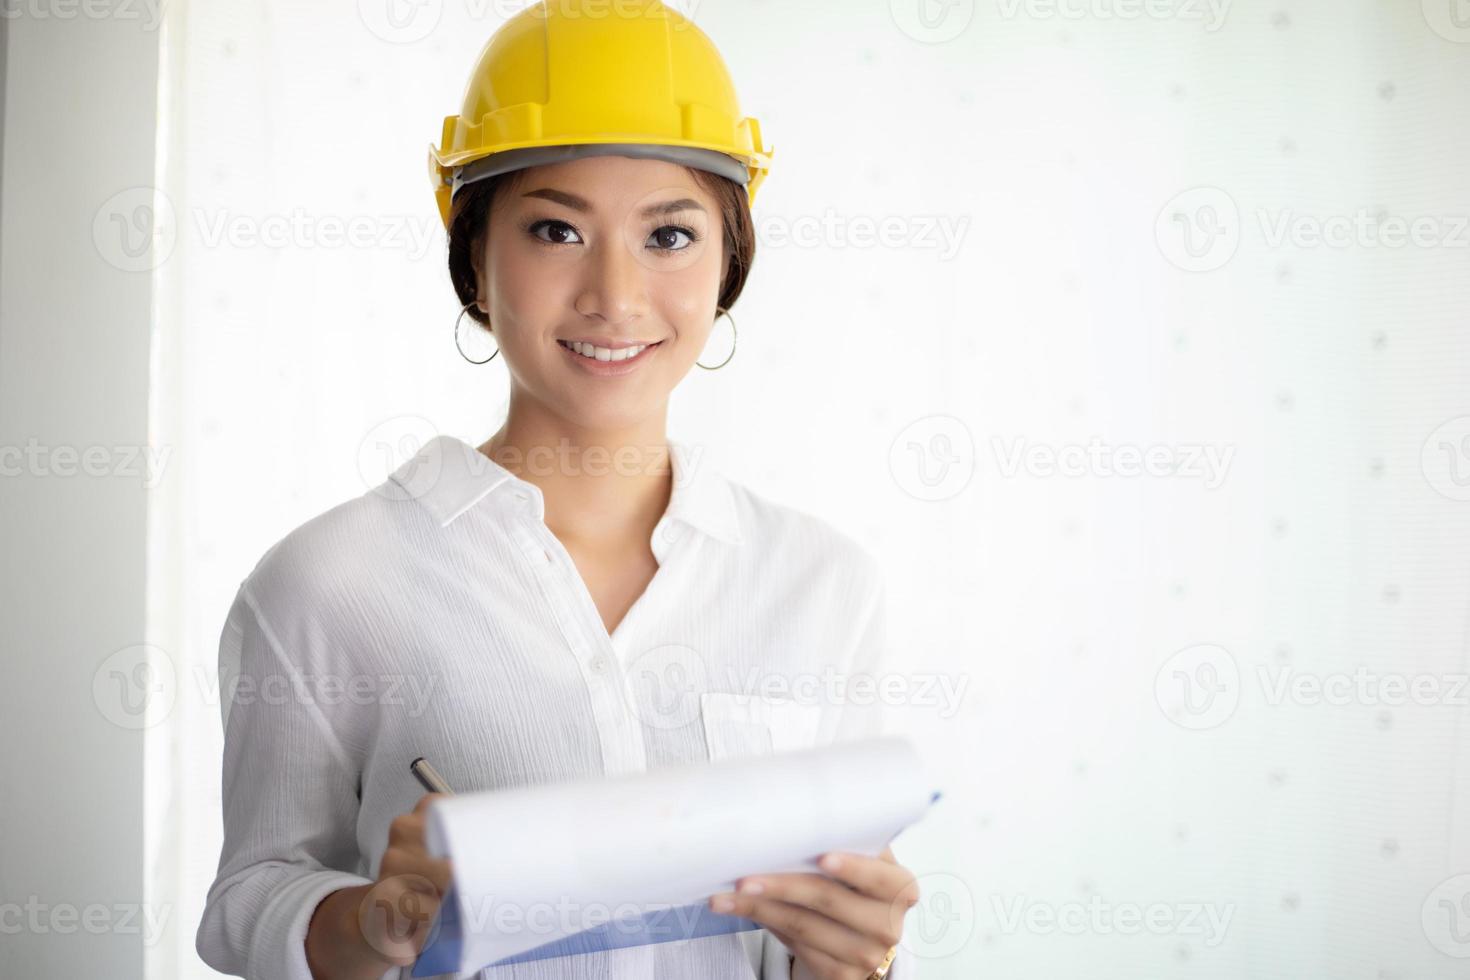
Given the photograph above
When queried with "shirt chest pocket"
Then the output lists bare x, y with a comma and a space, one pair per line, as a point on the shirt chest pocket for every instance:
740, 725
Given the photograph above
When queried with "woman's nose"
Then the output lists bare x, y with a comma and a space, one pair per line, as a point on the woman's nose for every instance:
615, 289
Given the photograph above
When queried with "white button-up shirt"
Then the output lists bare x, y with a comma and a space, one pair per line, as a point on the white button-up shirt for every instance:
436, 615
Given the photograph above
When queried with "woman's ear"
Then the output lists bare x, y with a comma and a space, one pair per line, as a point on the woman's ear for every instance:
477, 261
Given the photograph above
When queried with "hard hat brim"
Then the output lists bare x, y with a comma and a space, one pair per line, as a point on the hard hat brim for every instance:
449, 178
495, 164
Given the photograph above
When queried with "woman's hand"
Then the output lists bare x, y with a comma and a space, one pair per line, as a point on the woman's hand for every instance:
839, 927
399, 909
360, 932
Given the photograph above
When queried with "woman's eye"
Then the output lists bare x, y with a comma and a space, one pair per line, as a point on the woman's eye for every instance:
667, 238
560, 232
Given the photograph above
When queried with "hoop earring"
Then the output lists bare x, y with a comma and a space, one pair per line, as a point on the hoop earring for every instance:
465, 309
734, 337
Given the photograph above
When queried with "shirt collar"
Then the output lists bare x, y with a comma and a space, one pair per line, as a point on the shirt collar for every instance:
447, 477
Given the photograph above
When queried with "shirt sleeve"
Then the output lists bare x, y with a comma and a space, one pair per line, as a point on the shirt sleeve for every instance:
290, 802
859, 718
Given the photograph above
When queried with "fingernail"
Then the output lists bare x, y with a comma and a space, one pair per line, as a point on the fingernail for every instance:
831, 862
752, 887
722, 903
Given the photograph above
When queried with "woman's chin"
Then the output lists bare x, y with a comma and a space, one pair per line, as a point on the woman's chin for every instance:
612, 411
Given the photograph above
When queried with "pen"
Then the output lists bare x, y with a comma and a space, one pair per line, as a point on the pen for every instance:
428, 776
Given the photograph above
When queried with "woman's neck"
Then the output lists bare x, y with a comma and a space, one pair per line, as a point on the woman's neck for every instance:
599, 487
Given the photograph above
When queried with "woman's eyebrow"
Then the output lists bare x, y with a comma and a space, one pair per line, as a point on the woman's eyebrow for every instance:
669, 207
580, 204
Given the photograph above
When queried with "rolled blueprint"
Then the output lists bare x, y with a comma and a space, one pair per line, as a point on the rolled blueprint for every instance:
577, 867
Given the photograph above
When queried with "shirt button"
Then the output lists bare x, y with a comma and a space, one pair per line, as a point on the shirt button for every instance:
599, 663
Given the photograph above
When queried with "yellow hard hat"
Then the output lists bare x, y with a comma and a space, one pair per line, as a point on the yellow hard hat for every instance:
572, 78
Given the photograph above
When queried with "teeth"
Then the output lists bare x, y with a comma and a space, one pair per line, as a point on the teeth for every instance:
605, 353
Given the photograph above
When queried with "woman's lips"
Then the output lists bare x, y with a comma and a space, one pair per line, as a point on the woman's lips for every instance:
607, 369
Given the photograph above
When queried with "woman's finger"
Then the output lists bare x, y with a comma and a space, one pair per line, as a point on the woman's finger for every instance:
413, 862
810, 928
835, 900
876, 877
816, 961
425, 800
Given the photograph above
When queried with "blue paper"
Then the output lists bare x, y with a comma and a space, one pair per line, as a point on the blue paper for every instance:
441, 954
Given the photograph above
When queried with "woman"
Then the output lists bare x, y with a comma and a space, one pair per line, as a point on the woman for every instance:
578, 595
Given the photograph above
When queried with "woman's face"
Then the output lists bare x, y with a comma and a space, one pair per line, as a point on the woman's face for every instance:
604, 252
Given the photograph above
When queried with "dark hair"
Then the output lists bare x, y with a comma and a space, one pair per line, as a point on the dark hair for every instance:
469, 221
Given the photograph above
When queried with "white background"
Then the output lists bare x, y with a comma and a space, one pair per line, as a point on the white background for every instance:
1112, 175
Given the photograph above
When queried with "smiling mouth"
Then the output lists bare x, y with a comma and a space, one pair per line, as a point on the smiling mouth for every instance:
611, 354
